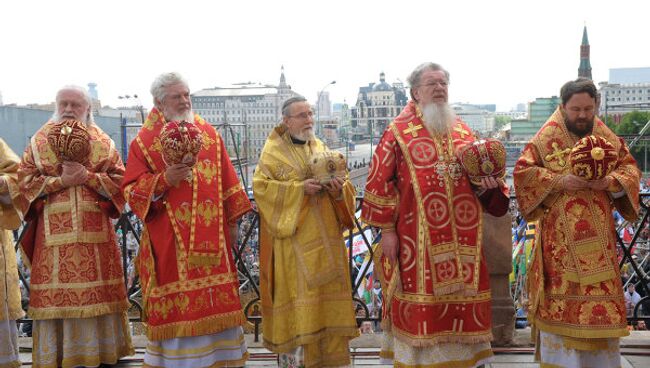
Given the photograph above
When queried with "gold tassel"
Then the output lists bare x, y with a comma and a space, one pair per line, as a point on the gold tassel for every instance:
203, 326
434, 340
78, 312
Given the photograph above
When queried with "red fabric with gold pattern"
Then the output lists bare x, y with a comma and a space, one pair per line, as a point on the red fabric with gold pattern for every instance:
188, 276
592, 158
70, 141
574, 284
417, 186
181, 141
76, 266
483, 158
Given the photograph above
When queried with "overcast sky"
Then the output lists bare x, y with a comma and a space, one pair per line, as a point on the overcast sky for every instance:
502, 52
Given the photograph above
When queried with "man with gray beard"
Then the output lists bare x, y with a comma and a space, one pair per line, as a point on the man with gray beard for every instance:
437, 306
77, 293
190, 204
304, 276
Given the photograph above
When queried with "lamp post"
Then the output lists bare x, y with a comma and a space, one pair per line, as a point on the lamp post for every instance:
318, 107
138, 104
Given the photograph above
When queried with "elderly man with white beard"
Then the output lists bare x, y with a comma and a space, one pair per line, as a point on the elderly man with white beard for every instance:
190, 209
437, 304
77, 293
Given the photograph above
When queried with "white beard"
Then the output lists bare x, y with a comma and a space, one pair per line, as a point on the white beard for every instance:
438, 118
187, 116
306, 135
57, 119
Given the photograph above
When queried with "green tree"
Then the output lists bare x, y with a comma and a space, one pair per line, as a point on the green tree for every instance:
500, 121
631, 124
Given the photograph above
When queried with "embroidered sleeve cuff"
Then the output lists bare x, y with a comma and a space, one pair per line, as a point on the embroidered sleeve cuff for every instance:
615, 187
161, 187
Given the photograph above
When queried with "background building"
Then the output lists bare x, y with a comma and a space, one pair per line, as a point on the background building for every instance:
627, 90
244, 113
377, 105
476, 117
538, 112
584, 70
323, 108
18, 124
629, 75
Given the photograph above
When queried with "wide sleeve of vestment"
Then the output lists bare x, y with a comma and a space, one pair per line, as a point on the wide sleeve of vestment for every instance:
279, 192
628, 176
381, 195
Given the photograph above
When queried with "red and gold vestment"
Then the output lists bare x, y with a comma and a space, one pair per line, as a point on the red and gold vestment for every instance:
189, 280
574, 282
76, 268
417, 186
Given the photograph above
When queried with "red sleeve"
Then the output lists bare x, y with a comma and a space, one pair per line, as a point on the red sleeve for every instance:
381, 195
496, 201
140, 182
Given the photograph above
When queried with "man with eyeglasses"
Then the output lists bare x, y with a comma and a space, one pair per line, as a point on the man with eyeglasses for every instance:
190, 205
576, 307
437, 304
308, 317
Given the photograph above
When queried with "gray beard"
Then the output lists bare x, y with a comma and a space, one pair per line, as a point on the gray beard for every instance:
438, 118
305, 135
57, 119
188, 116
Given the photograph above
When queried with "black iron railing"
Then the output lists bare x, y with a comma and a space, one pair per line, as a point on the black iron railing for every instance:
246, 256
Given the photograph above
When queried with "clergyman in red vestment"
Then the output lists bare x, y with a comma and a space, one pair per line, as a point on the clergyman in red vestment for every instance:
437, 309
577, 309
190, 210
77, 293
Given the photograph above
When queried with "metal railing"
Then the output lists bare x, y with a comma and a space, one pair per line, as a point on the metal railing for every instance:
246, 256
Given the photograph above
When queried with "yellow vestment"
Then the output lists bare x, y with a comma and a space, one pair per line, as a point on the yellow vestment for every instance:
304, 275
10, 308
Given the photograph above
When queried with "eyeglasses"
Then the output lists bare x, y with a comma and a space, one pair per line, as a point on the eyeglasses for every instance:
435, 83
303, 115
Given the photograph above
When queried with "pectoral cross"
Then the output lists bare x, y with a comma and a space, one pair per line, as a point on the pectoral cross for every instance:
461, 131
412, 129
210, 291
558, 153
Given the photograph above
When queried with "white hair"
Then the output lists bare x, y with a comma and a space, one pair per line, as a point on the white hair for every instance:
414, 78
165, 80
71, 87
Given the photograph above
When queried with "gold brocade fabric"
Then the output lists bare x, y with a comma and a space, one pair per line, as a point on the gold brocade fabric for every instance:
573, 281
76, 267
9, 220
304, 278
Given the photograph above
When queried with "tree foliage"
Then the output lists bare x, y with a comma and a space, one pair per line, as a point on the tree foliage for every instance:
631, 124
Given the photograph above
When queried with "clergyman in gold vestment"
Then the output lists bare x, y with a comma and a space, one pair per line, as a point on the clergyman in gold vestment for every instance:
577, 308
10, 308
307, 313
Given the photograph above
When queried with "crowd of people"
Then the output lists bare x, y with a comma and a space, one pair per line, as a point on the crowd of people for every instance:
430, 285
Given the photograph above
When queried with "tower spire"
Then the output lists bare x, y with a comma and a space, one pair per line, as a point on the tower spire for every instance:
585, 65
283, 81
